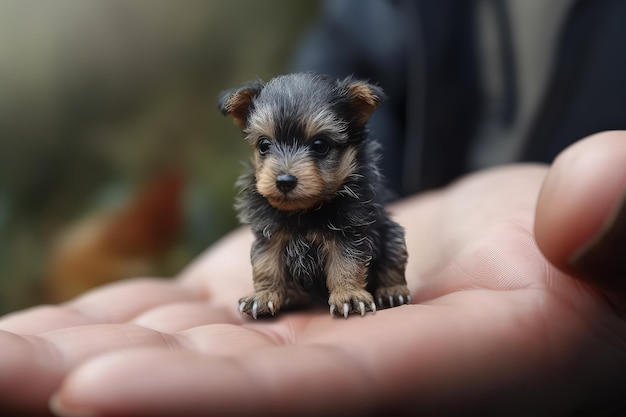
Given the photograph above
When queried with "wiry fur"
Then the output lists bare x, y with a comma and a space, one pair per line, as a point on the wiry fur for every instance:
330, 234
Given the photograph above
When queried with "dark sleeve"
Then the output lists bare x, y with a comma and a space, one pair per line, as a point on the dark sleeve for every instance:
587, 88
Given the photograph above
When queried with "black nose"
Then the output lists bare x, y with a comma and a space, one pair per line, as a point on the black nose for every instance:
286, 182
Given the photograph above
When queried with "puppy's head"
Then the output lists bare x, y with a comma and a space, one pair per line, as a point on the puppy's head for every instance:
306, 130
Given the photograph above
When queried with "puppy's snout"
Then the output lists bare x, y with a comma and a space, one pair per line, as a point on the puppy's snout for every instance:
286, 182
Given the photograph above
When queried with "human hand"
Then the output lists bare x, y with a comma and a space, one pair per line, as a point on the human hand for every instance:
495, 328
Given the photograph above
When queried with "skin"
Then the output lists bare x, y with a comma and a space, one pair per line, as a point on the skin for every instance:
495, 329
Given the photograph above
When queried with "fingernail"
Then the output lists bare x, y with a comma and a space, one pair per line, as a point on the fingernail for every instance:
60, 410
603, 257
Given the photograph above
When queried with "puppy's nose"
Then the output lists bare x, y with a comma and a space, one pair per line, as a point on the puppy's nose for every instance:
286, 182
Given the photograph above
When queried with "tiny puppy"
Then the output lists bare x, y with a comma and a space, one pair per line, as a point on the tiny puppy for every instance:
313, 196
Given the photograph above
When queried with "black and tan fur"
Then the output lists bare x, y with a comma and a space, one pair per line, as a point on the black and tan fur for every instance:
313, 196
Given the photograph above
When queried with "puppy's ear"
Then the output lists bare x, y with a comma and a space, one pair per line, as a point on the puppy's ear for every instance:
236, 102
363, 98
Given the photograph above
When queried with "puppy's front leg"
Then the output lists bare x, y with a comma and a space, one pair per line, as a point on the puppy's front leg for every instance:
270, 277
346, 278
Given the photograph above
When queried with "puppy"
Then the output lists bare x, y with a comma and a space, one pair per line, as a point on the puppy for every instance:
313, 196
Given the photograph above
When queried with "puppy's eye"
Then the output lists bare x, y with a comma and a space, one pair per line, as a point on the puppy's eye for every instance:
320, 147
264, 145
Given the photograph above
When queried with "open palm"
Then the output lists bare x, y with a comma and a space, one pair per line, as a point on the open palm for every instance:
494, 328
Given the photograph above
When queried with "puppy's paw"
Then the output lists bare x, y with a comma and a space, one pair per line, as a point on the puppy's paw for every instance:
262, 303
344, 302
392, 296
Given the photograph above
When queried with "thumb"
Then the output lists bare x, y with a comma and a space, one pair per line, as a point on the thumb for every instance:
580, 223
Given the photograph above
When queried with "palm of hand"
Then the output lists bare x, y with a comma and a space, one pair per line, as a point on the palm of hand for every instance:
493, 326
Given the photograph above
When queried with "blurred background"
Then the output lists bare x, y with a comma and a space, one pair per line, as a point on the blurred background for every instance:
114, 161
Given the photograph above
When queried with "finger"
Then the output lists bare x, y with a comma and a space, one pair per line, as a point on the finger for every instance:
120, 302
115, 303
32, 367
176, 317
577, 227
23, 385
192, 385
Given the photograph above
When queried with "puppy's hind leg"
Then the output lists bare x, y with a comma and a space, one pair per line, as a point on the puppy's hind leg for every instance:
389, 269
